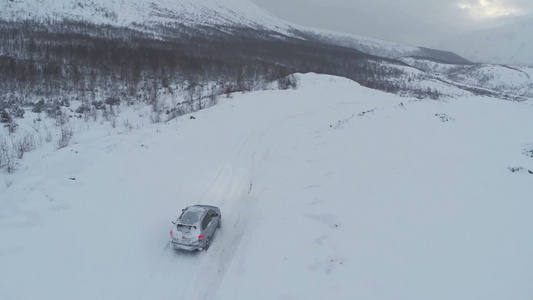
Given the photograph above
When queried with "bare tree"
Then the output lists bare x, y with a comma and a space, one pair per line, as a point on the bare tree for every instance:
63, 122
7, 157
36, 125
3, 151
23, 145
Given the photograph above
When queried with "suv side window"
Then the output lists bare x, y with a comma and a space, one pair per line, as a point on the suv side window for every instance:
206, 221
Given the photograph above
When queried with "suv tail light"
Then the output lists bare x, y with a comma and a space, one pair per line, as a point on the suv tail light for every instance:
201, 237
171, 232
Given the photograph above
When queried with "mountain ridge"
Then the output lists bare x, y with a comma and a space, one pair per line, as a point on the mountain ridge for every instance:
147, 15
195, 45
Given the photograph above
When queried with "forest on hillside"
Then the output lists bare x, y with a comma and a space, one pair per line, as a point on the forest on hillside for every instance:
56, 62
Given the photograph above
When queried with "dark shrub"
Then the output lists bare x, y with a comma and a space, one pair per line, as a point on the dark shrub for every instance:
98, 104
112, 101
82, 109
5, 117
17, 112
38, 106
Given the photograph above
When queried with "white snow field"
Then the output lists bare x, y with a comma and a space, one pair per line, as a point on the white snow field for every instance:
330, 191
126, 13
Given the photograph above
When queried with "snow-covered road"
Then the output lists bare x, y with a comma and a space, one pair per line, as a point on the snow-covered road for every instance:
331, 191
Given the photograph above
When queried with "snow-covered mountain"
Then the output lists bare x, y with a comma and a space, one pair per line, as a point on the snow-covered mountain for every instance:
501, 78
146, 12
381, 48
211, 13
511, 44
207, 32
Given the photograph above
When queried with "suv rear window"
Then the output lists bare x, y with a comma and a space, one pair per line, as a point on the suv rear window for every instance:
185, 228
190, 217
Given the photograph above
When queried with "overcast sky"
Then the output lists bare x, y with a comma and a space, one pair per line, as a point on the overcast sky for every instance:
417, 22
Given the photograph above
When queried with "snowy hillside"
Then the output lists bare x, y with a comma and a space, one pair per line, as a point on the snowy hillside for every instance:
330, 191
364, 44
146, 12
227, 13
509, 44
517, 80
381, 48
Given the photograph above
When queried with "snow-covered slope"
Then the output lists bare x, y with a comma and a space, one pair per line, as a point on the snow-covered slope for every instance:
502, 78
127, 12
379, 47
509, 44
331, 191
363, 44
232, 13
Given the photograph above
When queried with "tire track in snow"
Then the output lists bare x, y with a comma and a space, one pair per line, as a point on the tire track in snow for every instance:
197, 275
231, 191
170, 270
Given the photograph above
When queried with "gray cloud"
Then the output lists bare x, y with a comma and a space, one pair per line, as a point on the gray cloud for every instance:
418, 22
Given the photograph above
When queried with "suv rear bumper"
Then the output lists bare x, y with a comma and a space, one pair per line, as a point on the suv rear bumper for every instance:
187, 247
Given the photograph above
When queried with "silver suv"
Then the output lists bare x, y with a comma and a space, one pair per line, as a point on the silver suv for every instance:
195, 227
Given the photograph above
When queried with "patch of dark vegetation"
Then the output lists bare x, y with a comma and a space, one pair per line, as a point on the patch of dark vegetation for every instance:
528, 152
520, 170
363, 113
516, 169
440, 56
444, 117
